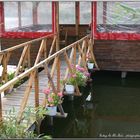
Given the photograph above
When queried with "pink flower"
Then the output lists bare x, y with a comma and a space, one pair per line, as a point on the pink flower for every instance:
72, 66
46, 91
60, 94
74, 75
80, 68
87, 74
50, 99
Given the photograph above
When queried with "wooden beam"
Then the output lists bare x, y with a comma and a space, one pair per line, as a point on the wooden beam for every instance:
21, 60
58, 74
0, 108
52, 46
41, 48
1, 18
19, 14
29, 56
77, 19
36, 83
57, 25
26, 95
35, 12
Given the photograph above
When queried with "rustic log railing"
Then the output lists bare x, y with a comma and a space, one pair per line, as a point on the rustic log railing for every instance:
80, 48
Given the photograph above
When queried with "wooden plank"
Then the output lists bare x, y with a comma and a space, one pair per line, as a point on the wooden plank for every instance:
77, 18
41, 48
4, 64
81, 55
21, 60
36, 83
58, 74
52, 46
57, 25
29, 56
0, 109
26, 95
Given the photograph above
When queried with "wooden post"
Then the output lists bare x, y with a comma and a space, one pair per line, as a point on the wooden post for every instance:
0, 108
1, 18
36, 83
57, 45
29, 56
40, 51
57, 25
19, 14
26, 95
35, 16
52, 46
58, 74
74, 56
4, 63
21, 60
77, 18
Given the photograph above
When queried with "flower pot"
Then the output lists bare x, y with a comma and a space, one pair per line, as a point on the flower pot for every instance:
52, 110
69, 89
90, 65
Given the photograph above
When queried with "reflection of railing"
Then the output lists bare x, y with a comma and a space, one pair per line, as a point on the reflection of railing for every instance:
80, 47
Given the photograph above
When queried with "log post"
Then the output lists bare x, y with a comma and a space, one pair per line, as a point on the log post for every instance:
4, 73
0, 108
36, 83
77, 18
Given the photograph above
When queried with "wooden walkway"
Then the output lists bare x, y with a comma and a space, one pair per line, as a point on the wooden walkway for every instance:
57, 66
15, 98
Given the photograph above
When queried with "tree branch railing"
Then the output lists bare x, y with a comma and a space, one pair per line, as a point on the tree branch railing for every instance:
79, 48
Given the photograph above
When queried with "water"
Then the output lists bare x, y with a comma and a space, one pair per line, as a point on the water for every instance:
114, 109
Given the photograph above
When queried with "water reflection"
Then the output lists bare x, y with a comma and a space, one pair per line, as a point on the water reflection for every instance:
108, 108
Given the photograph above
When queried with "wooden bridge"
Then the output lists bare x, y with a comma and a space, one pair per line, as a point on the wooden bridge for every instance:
56, 64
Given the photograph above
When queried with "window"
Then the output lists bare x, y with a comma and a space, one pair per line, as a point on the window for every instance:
85, 12
28, 16
10, 18
67, 12
26, 13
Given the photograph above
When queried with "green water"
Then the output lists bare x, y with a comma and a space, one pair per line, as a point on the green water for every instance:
114, 109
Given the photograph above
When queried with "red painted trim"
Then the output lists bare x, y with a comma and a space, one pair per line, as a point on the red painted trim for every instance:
24, 34
117, 36
1, 18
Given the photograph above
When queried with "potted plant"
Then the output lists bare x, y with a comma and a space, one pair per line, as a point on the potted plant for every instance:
78, 77
90, 62
52, 100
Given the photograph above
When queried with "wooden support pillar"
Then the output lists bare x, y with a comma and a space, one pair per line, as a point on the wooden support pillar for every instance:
35, 15
1, 18
104, 13
57, 45
77, 19
0, 108
36, 81
19, 14
57, 25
